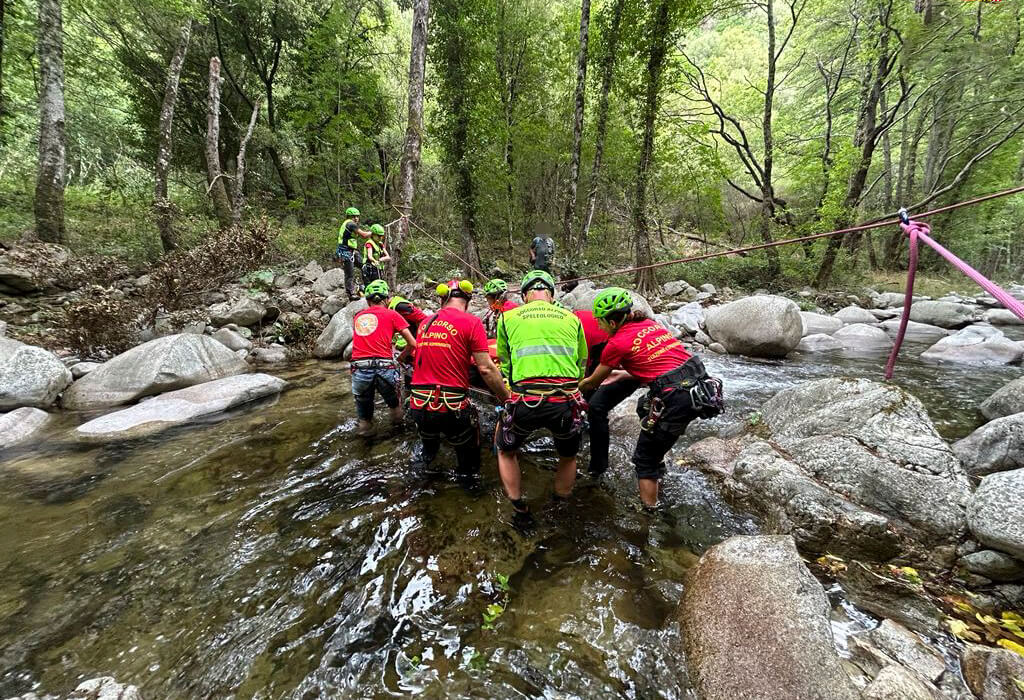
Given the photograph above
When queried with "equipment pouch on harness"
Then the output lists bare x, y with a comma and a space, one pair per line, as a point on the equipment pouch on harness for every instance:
707, 397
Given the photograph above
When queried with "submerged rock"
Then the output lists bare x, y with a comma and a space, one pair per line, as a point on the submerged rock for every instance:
994, 447
980, 345
20, 425
338, 333
755, 625
29, 376
164, 364
179, 406
758, 326
1005, 401
994, 513
847, 466
817, 324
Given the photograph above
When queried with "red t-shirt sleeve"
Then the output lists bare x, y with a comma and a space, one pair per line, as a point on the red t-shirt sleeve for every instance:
613, 353
477, 338
397, 322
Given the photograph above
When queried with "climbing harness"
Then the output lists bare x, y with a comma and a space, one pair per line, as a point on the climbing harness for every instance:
373, 363
706, 396
435, 397
917, 231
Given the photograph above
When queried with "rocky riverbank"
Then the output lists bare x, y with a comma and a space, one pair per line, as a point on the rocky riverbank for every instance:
850, 474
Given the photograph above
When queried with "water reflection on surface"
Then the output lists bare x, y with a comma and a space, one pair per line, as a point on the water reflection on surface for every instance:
274, 555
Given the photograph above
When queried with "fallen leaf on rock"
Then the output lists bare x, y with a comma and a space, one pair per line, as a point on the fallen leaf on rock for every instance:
1012, 646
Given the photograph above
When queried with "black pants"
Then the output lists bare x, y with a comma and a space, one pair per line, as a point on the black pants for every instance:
653, 444
348, 264
371, 273
460, 428
602, 401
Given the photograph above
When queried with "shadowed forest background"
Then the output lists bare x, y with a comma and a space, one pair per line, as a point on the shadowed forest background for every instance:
628, 131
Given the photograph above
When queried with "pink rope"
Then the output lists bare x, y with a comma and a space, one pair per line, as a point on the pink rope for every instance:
917, 230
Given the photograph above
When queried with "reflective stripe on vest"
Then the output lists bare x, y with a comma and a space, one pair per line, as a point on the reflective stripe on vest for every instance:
531, 350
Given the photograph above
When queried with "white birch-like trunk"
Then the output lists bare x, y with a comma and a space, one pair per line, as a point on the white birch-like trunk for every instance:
161, 202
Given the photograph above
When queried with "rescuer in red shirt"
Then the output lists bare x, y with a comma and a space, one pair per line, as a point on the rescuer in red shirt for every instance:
679, 388
373, 364
446, 344
600, 401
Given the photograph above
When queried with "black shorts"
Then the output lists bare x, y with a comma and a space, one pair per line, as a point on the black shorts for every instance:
522, 419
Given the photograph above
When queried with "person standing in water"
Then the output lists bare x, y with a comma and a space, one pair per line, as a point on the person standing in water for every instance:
543, 354
447, 344
373, 366
678, 387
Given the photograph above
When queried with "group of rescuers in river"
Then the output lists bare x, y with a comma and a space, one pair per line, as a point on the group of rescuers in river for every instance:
548, 368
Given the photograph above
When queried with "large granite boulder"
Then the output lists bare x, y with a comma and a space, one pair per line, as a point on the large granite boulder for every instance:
232, 340
245, 311
994, 513
991, 674
994, 565
915, 333
20, 425
757, 326
756, 625
29, 376
890, 300
894, 682
860, 337
1002, 317
582, 298
689, 317
945, 314
179, 406
855, 314
1006, 401
978, 345
819, 342
851, 467
994, 447
164, 364
329, 282
816, 324
338, 333
16, 280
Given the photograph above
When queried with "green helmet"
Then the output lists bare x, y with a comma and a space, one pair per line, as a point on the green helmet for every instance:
537, 278
377, 229
495, 287
611, 300
351, 211
378, 289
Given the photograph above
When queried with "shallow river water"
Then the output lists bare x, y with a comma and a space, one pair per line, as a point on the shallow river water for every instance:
271, 554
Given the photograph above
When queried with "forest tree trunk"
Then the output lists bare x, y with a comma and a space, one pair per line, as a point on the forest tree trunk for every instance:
607, 74
577, 129
215, 178
50, 182
161, 202
767, 191
413, 131
646, 280
238, 202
